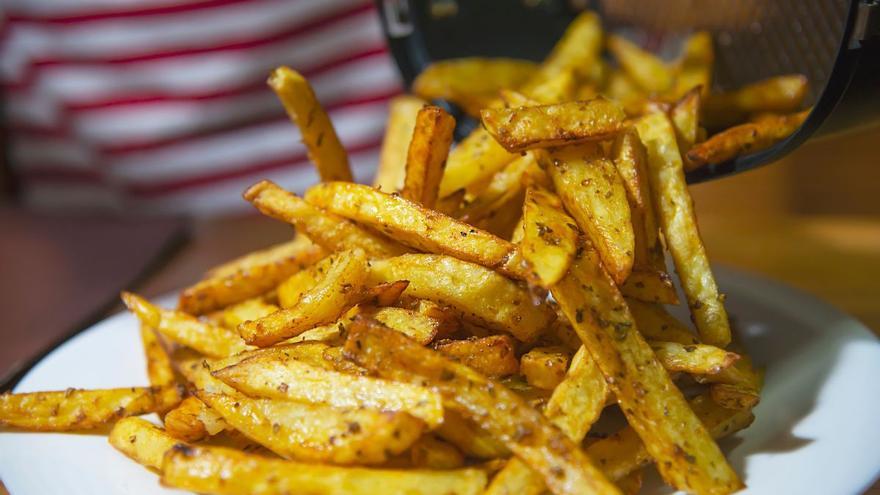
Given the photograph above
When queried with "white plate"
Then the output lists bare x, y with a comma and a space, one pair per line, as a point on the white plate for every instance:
816, 431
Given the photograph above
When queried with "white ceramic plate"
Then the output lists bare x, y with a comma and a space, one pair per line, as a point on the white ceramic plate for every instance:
816, 431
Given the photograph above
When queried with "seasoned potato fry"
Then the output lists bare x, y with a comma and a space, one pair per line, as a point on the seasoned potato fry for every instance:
578, 50
697, 359
643, 67
418, 227
734, 396
555, 89
329, 231
679, 224
402, 112
781, 94
623, 452
142, 441
426, 158
523, 128
470, 438
621, 88
545, 367
339, 289
471, 83
694, 68
655, 323
210, 340
480, 294
315, 128
159, 368
192, 421
475, 158
493, 356
686, 455
595, 196
504, 185
433, 453
230, 472
416, 325
495, 408
267, 377
77, 410
248, 276
685, 115
650, 285
251, 309
549, 236
743, 139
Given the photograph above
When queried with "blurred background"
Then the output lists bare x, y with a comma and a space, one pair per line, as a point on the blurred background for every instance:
130, 129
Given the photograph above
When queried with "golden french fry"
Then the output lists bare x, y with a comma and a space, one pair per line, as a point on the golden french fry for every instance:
249, 276
402, 112
648, 285
141, 441
679, 224
471, 83
643, 67
421, 327
317, 132
501, 412
470, 438
549, 236
555, 89
507, 183
780, 94
523, 128
230, 472
433, 453
250, 309
159, 368
655, 323
479, 294
578, 50
185, 329
267, 377
418, 227
545, 367
501, 223
192, 421
329, 231
339, 288
697, 359
426, 158
743, 139
77, 409
734, 396
685, 115
694, 68
686, 456
493, 356
621, 88
594, 194
475, 158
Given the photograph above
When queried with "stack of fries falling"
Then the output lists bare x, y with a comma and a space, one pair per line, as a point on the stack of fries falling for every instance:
459, 327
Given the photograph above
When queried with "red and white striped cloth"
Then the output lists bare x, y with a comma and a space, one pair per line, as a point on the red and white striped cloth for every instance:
161, 106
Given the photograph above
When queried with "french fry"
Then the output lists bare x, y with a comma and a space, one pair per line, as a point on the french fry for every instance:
78, 410
267, 377
574, 406
402, 112
479, 294
141, 441
545, 367
426, 158
250, 309
316, 130
475, 158
230, 472
418, 227
686, 456
623, 452
549, 236
185, 329
734, 396
780, 94
694, 68
493, 356
677, 219
416, 325
578, 50
648, 285
329, 231
192, 421
643, 67
159, 368
248, 276
555, 89
433, 453
470, 438
744, 139
685, 115
507, 183
523, 128
697, 359
501, 412
621, 88
655, 323
595, 196
339, 289
471, 83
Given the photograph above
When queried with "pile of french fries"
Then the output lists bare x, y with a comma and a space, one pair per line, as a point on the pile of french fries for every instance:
460, 326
